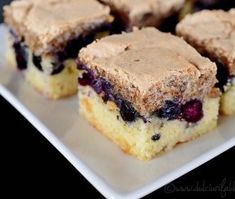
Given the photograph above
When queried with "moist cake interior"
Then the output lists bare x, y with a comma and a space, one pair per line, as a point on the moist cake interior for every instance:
143, 138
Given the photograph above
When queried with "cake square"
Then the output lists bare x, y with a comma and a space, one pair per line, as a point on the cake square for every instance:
142, 13
212, 33
144, 94
46, 36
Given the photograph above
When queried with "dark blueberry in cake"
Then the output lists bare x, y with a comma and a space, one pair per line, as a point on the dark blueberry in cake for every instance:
118, 101
60, 56
169, 24
87, 39
170, 111
81, 66
21, 55
156, 137
107, 97
222, 76
97, 85
205, 4
57, 68
57, 65
73, 47
37, 62
143, 118
107, 87
86, 79
105, 27
107, 91
127, 112
121, 22
192, 111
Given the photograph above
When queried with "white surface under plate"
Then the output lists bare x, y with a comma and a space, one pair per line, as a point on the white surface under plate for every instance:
113, 173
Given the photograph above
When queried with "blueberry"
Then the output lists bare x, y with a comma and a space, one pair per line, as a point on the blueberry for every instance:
106, 86
108, 91
21, 55
145, 120
107, 97
72, 48
81, 66
118, 101
192, 111
86, 79
127, 112
57, 68
171, 110
60, 56
156, 137
87, 39
57, 65
37, 62
97, 86
222, 76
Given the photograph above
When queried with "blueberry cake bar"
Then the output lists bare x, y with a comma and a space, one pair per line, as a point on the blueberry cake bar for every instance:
144, 94
142, 13
46, 36
212, 33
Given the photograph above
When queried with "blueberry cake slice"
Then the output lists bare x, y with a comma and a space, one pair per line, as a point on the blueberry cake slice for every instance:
212, 33
147, 91
142, 13
46, 36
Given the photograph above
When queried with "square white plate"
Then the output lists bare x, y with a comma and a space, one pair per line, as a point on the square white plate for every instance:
113, 173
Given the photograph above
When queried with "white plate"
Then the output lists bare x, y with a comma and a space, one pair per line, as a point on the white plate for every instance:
113, 173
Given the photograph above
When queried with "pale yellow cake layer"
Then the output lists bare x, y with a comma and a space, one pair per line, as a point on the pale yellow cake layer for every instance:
55, 86
227, 103
10, 54
135, 138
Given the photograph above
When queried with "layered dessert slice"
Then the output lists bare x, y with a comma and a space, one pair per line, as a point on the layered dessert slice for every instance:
142, 13
147, 91
212, 33
46, 36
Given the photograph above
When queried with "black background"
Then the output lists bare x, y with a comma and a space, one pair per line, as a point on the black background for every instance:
32, 167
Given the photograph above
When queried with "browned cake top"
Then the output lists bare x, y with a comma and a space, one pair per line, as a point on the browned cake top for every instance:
46, 25
213, 34
145, 12
148, 67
